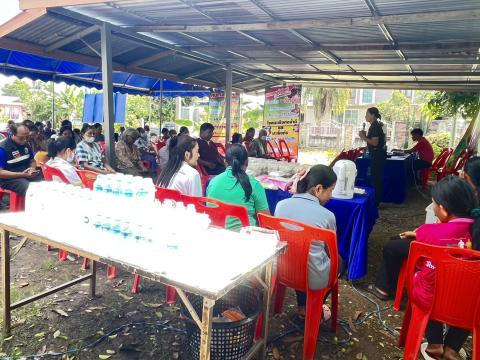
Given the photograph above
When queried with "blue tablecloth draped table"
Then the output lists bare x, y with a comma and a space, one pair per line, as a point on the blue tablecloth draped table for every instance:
397, 178
355, 220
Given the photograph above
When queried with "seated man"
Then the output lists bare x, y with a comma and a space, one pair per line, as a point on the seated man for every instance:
209, 157
17, 165
424, 150
248, 140
259, 145
128, 155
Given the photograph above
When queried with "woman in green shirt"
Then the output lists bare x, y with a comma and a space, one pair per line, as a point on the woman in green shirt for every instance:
234, 186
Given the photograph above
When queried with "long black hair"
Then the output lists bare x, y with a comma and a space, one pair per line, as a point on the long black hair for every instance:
60, 144
472, 169
237, 157
458, 198
374, 111
177, 148
318, 175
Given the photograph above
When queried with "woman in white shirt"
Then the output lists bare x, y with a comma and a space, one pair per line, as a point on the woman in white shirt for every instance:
62, 153
180, 173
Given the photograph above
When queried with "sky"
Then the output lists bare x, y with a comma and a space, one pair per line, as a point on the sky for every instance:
9, 10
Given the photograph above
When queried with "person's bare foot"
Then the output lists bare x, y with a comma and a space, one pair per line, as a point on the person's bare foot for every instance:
450, 354
435, 351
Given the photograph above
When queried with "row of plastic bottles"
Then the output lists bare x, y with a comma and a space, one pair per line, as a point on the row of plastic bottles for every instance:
116, 213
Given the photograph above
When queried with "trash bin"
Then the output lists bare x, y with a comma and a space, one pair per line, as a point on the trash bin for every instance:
230, 340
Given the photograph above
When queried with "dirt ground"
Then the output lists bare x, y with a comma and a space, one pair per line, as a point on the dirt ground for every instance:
70, 320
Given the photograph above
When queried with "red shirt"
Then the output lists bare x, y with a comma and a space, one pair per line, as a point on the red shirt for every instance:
208, 151
424, 150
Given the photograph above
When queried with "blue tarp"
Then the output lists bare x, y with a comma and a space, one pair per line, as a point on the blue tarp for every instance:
93, 108
42, 68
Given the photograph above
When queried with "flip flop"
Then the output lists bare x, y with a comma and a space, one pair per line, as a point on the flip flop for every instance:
372, 289
423, 351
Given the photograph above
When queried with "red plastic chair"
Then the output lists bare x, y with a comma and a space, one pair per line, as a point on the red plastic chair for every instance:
285, 151
273, 151
88, 178
204, 177
221, 149
438, 163
457, 165
292, 271
218, 215
457, 291
17, 202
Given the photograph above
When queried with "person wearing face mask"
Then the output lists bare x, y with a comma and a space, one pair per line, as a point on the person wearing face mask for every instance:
89, 155
313, 189
179, 172
259, 145
62, 156
147, 152
17, 164
375, 139
128, 156
37, 143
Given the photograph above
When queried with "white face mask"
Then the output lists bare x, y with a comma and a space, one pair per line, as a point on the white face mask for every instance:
90, 139
70, 159
263, 138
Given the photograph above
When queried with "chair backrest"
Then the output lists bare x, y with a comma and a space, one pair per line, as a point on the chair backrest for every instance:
49, 172
103, 146
293, 264
88, 178
284, 149
442, 158
218, 211
457, 288
272, 152
221, 149
461, 160
163, 194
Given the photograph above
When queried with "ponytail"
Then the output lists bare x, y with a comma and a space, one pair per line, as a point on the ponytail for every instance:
472, 169
177, 147
374, 111
237, 157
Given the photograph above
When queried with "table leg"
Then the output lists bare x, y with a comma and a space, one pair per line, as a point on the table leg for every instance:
206, 329
93, 280
266, 307
6, 312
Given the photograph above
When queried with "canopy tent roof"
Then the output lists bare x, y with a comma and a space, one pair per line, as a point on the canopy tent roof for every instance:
349, 43
43, 68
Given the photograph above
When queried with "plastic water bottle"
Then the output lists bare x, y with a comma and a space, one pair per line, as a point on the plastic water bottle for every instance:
128, 189
99, 182
107, 187
117, 188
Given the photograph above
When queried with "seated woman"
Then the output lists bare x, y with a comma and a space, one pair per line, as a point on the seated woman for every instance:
180, 173
62, 153
454, 204
128, 155
395, 251
89, 155
313, 190
234, 186
37, 143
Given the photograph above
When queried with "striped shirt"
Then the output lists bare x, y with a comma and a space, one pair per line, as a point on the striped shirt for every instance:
89, 153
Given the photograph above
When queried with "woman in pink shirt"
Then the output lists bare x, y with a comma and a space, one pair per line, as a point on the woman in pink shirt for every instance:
455, 205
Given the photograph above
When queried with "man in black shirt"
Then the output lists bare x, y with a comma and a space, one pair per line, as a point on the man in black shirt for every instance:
17, 165
375, 140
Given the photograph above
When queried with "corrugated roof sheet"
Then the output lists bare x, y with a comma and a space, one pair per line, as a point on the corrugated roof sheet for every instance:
338, 48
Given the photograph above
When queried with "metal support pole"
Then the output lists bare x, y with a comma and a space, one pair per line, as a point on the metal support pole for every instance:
228, 103
107, 86
161, 107
53, 102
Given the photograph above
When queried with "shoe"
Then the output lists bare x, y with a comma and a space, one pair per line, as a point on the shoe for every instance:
379, 295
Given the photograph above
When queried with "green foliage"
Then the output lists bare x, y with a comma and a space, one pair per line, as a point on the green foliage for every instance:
37, 100
442, 104
397, 108
439, 141
183, 122
138, 109
326, 100
252, 118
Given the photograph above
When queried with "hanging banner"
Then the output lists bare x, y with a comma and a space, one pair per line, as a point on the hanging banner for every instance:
282, 114
469, 140
216, 115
